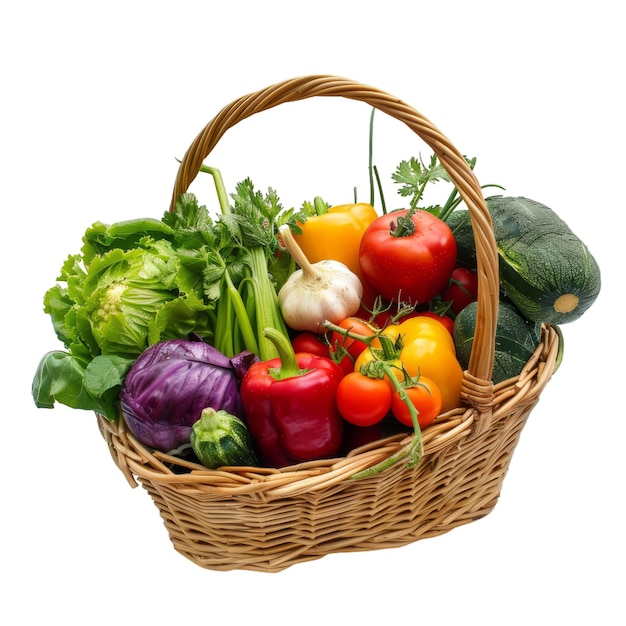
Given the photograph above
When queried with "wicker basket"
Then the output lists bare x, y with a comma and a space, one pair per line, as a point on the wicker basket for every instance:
267, 519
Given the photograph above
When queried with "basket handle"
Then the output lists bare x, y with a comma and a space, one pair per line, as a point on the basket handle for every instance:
478, 376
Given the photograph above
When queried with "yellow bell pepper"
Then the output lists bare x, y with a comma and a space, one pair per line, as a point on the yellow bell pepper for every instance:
428, 350
420, 325
336, 234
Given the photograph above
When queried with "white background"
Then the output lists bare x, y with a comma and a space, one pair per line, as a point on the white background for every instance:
99, 99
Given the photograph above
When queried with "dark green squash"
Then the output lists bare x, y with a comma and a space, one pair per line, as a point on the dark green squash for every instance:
545, 269
220, 439
516, 339
460, 223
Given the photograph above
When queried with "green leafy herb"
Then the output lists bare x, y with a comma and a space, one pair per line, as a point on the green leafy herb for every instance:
243, 263
414, 175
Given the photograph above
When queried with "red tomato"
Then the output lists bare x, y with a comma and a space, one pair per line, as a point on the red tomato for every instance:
413, 267
426, 398
361, 400
353, 346
461, 290
311, 342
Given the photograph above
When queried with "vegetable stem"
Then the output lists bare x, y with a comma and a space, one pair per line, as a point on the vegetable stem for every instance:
404, 225
297, 254
266, 311
223, 327
412, 410
288, 363
414, 451
451, 203
387, 346
380, 191
266, 304
220, 188
319, 205
245, 327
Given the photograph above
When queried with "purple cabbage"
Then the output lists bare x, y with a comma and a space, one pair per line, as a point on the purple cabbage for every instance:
171, 382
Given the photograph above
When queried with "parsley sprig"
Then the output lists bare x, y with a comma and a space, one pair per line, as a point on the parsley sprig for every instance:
415, 174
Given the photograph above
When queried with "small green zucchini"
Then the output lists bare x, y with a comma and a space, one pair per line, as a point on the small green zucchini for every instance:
220, 439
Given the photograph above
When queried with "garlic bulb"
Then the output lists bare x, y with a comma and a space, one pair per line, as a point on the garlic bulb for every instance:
326, 290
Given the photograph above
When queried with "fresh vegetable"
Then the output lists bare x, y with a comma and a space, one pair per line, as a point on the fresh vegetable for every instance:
80, 383
383, 367
334, 233
318, 344
170, 384
545, 269
219, 438
354, 347
424, 356
462, 289
363, 400
326, 290
126, 290
290, 405
368, 361
414, 175
446, 320
425, 396
516, 339
422, 347
460, 223
424, 326
408, 255
308, 341
246, 268
143, 281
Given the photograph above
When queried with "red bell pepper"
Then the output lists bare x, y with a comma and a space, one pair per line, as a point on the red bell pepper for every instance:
290, 408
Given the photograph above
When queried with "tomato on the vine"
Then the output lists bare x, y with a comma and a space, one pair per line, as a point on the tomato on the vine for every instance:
361, 400
353, 346
408, 255
426, 398
462, 289
367, 357
426, 356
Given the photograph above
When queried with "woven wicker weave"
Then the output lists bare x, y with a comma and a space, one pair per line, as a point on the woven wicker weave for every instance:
267, 519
